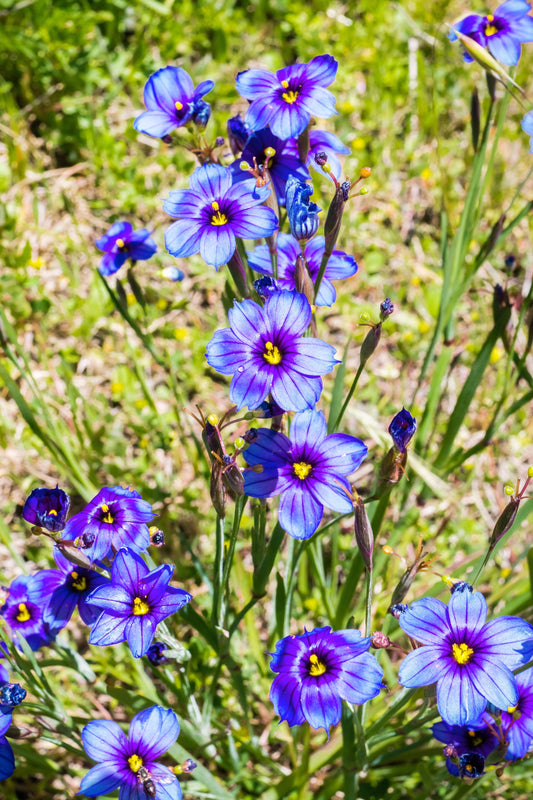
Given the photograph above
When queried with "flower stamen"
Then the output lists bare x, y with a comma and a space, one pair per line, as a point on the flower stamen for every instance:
462, 653
120, 243
271, 354
23, 613
301, 469
218, 218
52, 512
290, 97
316, 667
78, 583
106, 517
490, 29
140, 607
135, 762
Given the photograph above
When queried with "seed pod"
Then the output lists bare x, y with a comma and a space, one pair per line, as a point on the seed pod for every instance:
364, 535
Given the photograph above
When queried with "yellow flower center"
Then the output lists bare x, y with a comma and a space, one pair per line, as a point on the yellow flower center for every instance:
301, 469
23, 615
218, 218
106, 515
290, 96
135, 762
140, 607
120, 243
178, 105
316, 667
52, 513
475, 738
490, 30
271, 354
462, 653
80, 584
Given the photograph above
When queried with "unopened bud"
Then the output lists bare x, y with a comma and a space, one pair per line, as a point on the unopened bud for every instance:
366, 172
398, 609
386, 308
370, 343
364, 190
379, 641
364, 536
303, 282
321, 158
505, 521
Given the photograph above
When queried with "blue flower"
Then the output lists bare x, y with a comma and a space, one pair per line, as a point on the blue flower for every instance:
340, 265
7, 759
133, 603
23, 610
129, 762
319, 669
114, 518
47, 508
266, 351
475, 739
502, 32
257, 151
172, 100
321, 142
213, 212
68, 587
287, 99
302, 213
469, 659
307, 469
527, 126
517, 721
122, 242
402, 429
238, 133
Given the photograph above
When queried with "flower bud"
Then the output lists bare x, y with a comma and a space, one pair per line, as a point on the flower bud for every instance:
302, 213
386, 308
238, 133
265, 286
364, 535
303, 282
47, 508
379, 641
155, 655
370, 343
333, 221
321, 158
398, 609
366, 172
402, 429
12, 694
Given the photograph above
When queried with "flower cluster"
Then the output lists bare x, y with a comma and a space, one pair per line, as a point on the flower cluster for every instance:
502, 32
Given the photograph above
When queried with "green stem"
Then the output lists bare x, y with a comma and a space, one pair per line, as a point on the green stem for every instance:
217, 613
240, 502
349, 396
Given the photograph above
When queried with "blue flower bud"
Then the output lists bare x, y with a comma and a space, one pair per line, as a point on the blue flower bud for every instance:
238, 133
200, 112
302, 213
155, 654
265, 287
402, 429
12, 694
47, 508
386, 308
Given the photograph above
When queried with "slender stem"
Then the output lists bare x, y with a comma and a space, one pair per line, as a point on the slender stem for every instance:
349, 396
240, 502
217, 611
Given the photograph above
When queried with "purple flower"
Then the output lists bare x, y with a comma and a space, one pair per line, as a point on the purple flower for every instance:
23, 610
7, 759
302, 213
156, 654
469, 659
47, 508
517, 721
475, 739
114, 518
122, 242
171, 100
68, 587
129, 762
266, 351
340, 265
321, 142
134, 603
308, 470
281, 165
287, 99
213, 212
502, 32
527, 126
402, 429
319, 669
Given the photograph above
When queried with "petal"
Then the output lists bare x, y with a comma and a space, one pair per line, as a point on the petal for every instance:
321, 70
299, 513
153, 731
325, 489
155, 123
340, 266
108, 630
184, 203
249, 387
217, 245
319, 102
507, 639
271, 448
310, 356
101, 779
505, 48
287, 315
247, 321
426, 620
110, 596
173, 599
111, 263
285, 695
128, 569
293, 391
265, 484
308, 428
103, 739
166, 86
259, 114
423, 666
321, 704
458, 700
290, 119
342, 453
167, 785
360, 679
183, 238
139, 632
467, 612
7, 759
226, 353
211, 180
255, 223
494, 681
61, 607
256, 83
